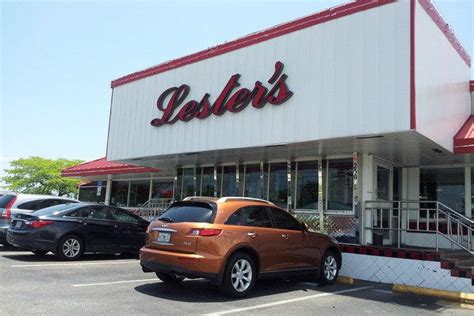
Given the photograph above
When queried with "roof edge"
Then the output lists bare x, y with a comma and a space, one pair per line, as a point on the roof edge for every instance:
444, 27
255, 38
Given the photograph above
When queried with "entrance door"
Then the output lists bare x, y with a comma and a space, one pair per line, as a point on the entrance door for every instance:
383, 183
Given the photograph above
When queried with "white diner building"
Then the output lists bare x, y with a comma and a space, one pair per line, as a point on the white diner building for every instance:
362, 112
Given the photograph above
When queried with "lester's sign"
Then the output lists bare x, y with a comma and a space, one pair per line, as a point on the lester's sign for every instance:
172, 102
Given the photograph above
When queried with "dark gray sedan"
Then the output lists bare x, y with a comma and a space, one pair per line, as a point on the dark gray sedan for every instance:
70, 230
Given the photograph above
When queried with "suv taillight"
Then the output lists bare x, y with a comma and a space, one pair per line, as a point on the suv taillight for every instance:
7, 213
204, 232
40, 223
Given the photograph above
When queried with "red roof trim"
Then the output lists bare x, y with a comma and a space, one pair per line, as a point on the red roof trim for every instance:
463, 141
445, 29
102, 167
255, 38
471, 85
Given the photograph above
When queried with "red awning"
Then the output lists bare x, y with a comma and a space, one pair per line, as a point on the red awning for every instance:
103, 167
464, 139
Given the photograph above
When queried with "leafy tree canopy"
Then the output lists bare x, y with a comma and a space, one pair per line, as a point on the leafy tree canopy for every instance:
38, 175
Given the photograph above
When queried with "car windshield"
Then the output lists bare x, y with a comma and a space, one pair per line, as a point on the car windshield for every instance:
194, 213
53, 210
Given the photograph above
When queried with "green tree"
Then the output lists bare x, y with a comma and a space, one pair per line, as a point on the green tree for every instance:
38, 175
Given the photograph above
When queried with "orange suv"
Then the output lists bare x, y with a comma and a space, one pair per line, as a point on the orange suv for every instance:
233, 241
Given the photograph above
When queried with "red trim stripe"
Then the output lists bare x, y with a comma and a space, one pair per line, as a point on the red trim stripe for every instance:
438, 19
412, 66
255, 38
471, 85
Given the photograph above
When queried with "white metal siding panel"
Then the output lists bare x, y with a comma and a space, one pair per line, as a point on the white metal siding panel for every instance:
349, 77
441, 83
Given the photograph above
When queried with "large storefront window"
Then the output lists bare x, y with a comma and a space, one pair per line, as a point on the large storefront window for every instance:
93, 192
253, 181
339, 185
278, 184
119, 194
307, 185
208, 183
139, 192
162, 190
445, 185
188, 182
229, 181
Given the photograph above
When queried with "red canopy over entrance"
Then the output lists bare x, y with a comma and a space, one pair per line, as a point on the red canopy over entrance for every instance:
102, 167
464, 139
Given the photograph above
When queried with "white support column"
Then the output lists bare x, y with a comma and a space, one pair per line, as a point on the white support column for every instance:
467, 193
366, 184
108, 191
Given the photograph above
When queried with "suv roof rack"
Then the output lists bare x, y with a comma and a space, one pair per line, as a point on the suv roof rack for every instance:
242, 198
196, 198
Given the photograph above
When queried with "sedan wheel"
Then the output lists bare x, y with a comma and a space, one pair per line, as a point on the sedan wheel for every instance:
70, 248
239, 275
329, 268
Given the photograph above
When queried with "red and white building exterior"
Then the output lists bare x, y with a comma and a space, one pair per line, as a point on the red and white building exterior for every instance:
373, 96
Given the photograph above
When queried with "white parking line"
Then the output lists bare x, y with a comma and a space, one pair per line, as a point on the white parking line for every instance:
76, 264
244, 309
115, 282
382, 291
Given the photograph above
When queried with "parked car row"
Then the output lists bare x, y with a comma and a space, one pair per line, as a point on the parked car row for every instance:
231, 241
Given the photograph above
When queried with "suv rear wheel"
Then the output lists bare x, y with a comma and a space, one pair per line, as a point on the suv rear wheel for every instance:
170, 278
239, 275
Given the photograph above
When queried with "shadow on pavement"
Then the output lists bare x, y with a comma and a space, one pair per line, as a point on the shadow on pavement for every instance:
23, 256
203, 291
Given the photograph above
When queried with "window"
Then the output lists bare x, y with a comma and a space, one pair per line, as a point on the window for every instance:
278, 186
6, 199
229, 181
445, 185
188, 182
340, 182
119, 194
194, 212
256, 216
93, 192
139, 192
307, 186
208, 183
91, 212
31, 205
253, 181
162, 190
122, 216
235, 219
283, 220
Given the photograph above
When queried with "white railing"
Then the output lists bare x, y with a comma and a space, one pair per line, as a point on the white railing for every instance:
394, 217
153, 208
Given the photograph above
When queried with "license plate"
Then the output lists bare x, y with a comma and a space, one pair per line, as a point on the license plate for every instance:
18, 224
164, 237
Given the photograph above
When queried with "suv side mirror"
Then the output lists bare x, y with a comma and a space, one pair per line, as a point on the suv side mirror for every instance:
304, 227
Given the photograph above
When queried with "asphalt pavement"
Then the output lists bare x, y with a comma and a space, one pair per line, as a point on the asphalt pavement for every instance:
115, 285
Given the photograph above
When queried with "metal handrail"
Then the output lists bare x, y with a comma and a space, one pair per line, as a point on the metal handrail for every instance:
153, 208
459, 228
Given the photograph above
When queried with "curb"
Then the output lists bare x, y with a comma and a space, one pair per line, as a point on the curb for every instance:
448, 295
345, 280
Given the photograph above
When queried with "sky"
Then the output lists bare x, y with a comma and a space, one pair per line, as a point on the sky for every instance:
58, 58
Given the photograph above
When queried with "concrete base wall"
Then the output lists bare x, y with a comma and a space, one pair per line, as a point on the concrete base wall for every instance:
420, 273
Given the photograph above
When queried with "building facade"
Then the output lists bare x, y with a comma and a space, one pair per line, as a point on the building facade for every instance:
358, 117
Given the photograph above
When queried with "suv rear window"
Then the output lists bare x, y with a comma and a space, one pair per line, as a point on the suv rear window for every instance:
4, 200
189, 212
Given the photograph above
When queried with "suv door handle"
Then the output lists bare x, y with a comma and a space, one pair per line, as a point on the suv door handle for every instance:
284, 236
252, 234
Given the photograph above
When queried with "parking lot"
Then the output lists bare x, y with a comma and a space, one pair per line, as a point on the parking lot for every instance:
105, 284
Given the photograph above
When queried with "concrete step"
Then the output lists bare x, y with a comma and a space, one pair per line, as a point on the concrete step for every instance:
456, 256
465, 264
